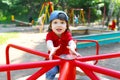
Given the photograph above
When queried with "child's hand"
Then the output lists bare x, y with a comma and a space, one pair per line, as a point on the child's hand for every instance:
73, 51
52, 52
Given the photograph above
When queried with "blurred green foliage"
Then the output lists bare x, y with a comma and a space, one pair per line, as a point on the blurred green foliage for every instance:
23, 9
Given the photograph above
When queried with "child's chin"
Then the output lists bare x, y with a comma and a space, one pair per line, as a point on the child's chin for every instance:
58, 33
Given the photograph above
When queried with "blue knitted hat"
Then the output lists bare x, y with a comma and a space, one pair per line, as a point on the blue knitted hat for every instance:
58, 15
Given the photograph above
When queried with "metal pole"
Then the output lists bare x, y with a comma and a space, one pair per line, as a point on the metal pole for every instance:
67, 68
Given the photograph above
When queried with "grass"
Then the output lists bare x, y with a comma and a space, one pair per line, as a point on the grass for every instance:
6, 36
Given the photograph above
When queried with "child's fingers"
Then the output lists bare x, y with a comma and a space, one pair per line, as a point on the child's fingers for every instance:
50, 57
53, 52
73, 51
78, 54
57, 47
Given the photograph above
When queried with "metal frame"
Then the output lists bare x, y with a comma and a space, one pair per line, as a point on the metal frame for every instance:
67, 65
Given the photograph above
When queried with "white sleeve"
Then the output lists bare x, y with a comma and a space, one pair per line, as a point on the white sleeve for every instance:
72, 44
50, 45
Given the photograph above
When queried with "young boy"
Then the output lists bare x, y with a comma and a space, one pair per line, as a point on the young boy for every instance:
59, 39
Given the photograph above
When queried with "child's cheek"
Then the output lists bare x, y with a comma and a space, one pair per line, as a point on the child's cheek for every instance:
54, 25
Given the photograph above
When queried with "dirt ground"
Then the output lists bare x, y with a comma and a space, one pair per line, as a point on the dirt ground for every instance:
32, 39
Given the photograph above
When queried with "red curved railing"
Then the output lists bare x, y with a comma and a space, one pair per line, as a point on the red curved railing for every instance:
42, 54
67, 65
94, 41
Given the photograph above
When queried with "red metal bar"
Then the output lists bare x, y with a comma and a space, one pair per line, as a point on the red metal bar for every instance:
99, 57
24, 49
106, 71
39, 73
97, 46
29, 65
21, 48
90, 74
67, 67
67, 70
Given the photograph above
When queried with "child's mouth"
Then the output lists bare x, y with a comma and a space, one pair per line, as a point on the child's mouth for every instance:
59, 30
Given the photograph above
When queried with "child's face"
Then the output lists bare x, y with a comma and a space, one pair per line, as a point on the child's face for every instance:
58, 26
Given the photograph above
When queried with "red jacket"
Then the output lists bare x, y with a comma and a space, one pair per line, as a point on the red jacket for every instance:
62, 41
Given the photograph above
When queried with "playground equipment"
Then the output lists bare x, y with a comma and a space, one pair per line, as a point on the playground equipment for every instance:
67, 64
99, 12
102, 38
21, 23
80, 16
46, 9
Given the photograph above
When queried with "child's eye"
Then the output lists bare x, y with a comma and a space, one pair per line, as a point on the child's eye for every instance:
62, 22
55, 22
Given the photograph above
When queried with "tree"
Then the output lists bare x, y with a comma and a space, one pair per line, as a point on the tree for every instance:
22, 9
3, 11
